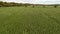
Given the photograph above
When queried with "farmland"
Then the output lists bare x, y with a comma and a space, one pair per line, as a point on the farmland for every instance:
28, 20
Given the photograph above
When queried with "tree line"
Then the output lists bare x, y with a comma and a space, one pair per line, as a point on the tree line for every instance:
12, 4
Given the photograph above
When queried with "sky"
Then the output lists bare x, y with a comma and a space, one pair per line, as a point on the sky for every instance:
35, 1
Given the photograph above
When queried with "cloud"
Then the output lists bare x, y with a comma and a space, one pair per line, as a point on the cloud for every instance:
34, 1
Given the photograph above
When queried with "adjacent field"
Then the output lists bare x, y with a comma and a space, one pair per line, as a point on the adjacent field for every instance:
28, 20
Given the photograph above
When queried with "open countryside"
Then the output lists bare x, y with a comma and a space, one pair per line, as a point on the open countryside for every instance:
29, 19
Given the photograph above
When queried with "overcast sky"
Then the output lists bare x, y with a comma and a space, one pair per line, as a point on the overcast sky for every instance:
35, 1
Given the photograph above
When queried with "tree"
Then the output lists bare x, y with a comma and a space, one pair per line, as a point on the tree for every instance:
43, 6
33, 6
1, 3
55, 6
